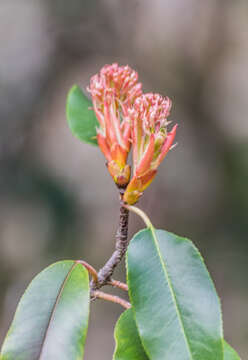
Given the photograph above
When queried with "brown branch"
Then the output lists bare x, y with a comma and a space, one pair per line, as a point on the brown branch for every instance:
113, 298
118, 284
105, 273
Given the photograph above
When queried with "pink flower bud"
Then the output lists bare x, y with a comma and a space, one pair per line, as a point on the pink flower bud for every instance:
113, 92
151, 141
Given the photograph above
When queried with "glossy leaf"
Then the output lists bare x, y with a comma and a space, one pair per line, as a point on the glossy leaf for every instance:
229, 352
174, 301
80, 116
52, 317
128, 344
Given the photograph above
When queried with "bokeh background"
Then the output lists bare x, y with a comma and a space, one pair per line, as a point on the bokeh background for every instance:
57, 199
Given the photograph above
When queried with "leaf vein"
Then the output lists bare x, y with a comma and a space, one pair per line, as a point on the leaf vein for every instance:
54, 308
171, 291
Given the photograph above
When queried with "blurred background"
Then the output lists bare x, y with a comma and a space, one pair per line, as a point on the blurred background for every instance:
57, 199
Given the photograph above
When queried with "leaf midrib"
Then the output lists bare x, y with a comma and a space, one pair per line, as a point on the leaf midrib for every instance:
54, 309
171, 291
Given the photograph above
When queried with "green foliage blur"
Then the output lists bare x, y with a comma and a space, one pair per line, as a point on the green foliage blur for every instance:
57, 199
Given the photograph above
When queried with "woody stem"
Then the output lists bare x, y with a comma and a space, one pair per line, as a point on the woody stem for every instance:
105, 273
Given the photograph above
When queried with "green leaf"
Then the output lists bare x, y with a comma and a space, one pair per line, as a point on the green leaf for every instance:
175, 304
229, 352
80, 116
128, 344
52, 317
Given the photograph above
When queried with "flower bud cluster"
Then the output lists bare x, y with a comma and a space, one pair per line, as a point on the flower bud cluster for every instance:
129, 117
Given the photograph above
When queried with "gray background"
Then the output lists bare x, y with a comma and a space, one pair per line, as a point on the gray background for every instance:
57, 199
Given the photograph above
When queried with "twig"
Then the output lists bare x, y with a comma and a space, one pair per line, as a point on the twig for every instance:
119, 284
113, 298
105, 273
